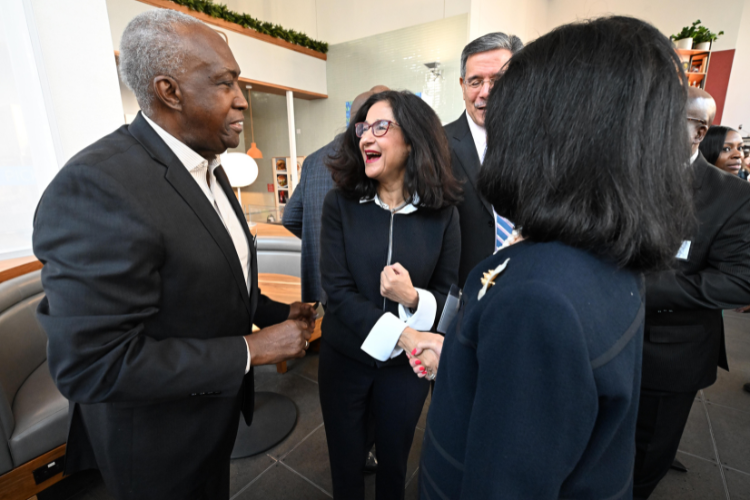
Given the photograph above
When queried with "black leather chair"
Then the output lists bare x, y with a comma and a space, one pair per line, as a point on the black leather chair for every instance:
33, 413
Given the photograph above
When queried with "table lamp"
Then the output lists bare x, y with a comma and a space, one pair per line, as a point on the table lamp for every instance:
240, 169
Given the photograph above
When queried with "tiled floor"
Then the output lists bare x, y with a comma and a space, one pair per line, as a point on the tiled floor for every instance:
715, 447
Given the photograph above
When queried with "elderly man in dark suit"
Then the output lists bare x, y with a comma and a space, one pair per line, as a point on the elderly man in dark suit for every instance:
151, 279
684, 332
303, 211
482, 231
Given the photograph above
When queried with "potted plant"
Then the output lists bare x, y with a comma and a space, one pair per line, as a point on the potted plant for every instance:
703, 37
697, 35
684, 39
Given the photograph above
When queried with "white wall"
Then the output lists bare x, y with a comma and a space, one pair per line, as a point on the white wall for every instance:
345, 20
525, 19
669, 16
737, 104
78, 71
338, 21
532, 18
258, 60
58, 94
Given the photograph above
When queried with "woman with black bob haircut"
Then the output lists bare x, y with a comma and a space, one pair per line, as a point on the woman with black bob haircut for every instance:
588, 153
390, 249
722, 147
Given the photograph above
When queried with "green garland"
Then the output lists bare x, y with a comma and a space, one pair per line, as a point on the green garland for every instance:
221, 11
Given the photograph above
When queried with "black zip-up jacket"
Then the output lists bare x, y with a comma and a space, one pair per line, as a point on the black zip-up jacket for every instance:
354, 244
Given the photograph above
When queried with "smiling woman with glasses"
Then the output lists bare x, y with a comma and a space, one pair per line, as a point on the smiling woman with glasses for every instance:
390, 248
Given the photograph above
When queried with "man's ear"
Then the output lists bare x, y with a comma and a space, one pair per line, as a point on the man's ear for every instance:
167, 90
700, 133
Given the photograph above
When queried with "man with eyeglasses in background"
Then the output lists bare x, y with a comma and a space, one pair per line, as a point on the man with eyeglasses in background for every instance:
482, 231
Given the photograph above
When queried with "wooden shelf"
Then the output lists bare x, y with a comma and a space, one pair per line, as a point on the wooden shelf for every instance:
685, 52
167, 4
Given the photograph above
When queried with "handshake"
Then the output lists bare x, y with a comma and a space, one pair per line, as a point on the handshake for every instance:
422, 348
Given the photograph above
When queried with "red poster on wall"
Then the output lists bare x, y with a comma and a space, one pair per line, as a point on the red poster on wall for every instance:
717, 79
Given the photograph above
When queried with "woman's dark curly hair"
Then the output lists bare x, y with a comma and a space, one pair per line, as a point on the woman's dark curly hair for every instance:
592, 150
428, 167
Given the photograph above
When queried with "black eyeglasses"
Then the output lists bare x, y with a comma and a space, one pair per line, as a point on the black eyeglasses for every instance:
379, 128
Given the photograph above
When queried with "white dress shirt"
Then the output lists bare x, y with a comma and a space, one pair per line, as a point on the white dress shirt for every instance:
197, 166
479, 134
382, 341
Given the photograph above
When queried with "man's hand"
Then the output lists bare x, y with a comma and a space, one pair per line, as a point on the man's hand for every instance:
395, 284
303, 312
278, 342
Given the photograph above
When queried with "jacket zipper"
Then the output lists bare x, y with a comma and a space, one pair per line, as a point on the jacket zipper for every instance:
390, 248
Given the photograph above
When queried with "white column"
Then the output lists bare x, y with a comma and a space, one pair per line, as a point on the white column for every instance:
292, 164
737, 102
73, 46
60, 94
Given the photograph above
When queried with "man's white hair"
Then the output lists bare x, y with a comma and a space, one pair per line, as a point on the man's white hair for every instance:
150, 47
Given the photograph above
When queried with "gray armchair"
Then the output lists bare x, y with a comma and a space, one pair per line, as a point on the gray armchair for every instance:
33, 413
279, 255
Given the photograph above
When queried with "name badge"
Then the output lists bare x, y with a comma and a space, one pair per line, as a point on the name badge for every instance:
684, 251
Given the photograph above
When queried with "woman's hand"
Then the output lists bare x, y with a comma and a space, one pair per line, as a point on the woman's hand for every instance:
426, 364
424, 357
395, 285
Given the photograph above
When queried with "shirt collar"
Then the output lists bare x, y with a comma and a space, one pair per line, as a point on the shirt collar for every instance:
406, 208
189, 158
479, 134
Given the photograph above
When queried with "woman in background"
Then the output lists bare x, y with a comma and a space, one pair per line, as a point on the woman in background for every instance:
722, 147
390, 249
539, 380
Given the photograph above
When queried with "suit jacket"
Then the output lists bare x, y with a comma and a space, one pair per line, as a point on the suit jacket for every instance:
357, 241
542, 373
145, 308
684, 335
476, 216
302, 217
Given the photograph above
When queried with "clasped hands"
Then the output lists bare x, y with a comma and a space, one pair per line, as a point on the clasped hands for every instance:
422, 348
285, 340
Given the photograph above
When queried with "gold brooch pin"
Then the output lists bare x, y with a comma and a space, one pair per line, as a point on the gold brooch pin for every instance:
488, 279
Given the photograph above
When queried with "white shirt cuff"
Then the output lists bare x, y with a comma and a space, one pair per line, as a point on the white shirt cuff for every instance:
424, 317
247, 366
382, 339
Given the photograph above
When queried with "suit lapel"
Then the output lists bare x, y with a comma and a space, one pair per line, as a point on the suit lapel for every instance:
466, 152
181, 180
223, 180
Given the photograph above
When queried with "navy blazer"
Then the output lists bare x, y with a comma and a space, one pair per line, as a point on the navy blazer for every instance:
145, 308
537, 392
354, 245
302, 216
